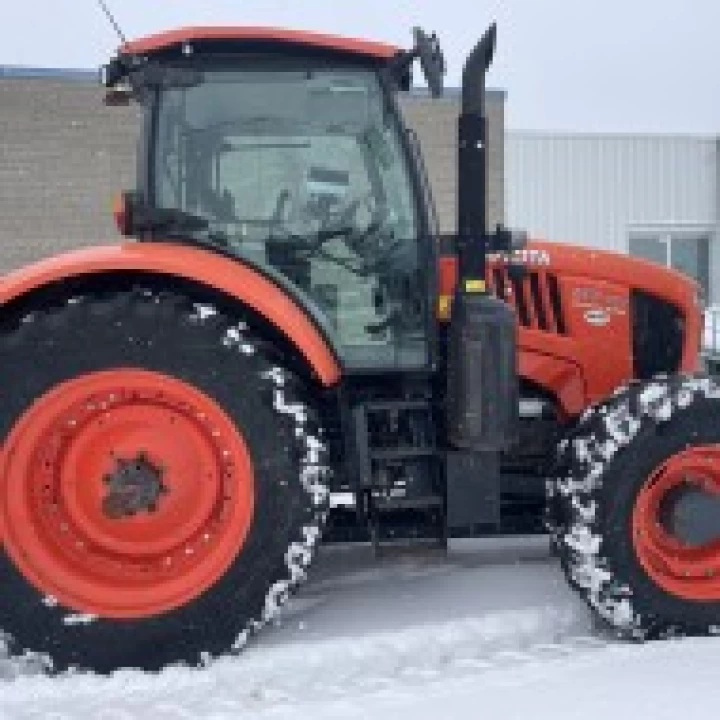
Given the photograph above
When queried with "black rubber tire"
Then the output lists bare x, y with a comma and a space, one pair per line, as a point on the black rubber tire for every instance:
608, 458
280, 425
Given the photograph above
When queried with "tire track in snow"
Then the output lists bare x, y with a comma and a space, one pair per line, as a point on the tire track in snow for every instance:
359, 628
341, 668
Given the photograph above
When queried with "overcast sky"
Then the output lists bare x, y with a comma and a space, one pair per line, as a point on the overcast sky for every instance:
581, 65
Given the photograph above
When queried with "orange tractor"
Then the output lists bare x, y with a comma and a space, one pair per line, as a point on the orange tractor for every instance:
290, 351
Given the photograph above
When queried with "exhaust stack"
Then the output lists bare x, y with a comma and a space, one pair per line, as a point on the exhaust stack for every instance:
482, 377
472, 160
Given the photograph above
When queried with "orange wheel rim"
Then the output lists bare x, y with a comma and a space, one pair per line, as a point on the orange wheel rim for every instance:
125, 493
686, 570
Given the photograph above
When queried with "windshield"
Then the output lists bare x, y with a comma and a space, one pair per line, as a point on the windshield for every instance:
302, 172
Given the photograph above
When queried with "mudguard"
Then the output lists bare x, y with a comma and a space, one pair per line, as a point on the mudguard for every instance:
232, 277
561, 378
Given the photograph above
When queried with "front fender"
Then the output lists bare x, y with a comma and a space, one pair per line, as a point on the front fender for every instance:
232, 277
559, 377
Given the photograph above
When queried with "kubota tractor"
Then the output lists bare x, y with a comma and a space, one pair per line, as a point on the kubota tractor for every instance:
290, 348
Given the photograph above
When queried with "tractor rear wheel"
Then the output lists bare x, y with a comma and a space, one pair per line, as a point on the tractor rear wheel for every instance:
163, 484
638, 508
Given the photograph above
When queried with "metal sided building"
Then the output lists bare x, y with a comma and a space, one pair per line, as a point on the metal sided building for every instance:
654, 196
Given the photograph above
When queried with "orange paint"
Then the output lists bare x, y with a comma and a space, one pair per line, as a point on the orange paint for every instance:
57, 463
229, 276
120, 212
585, 363
688, 571
162, 41
558, 374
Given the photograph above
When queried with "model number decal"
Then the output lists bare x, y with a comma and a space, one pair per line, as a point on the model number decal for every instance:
601, 301
597, 317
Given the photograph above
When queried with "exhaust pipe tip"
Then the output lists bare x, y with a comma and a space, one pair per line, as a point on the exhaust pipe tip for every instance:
473, 77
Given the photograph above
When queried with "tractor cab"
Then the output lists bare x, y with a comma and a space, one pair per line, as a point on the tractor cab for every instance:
286, 150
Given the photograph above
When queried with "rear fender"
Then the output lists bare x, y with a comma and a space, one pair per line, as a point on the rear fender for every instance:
231, 277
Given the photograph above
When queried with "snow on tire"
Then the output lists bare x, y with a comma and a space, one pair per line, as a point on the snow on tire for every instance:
632, 473
164, 484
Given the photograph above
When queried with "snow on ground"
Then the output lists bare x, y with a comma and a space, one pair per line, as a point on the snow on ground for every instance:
491, 631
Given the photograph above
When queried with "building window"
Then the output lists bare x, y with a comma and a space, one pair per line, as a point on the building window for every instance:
690, 254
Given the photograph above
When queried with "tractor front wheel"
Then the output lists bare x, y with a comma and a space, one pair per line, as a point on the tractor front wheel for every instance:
162, 487
638, 508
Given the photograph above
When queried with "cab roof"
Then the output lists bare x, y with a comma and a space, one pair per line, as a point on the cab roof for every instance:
244, 34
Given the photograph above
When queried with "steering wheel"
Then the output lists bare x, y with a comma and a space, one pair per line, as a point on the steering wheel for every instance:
371, 246
366, 242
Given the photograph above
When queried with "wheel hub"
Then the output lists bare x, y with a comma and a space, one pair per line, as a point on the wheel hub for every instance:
135, 486
676, 524
691, 513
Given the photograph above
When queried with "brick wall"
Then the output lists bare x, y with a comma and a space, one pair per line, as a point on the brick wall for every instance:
435, 122
63, 155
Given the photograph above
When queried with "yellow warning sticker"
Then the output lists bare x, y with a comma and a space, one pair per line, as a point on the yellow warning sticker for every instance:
443, 311
474, 286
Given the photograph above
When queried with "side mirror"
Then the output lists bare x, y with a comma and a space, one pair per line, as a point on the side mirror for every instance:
123, 210
112, 73
118, 96
432, 60
114, 78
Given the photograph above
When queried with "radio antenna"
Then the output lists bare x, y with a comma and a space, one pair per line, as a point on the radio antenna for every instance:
112, 21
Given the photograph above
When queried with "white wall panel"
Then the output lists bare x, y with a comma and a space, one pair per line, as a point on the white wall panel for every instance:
593, 189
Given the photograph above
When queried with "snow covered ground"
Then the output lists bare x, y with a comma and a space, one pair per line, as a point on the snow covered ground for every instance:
492, 631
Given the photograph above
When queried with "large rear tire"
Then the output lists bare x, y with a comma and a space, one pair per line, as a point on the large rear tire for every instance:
163, 486
637, 508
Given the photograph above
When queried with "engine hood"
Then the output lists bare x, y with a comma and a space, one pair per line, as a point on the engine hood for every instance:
631, 272
590, 320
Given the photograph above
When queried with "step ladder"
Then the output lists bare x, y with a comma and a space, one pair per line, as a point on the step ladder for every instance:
401, 473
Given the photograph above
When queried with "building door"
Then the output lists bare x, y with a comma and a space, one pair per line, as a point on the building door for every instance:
688, 253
